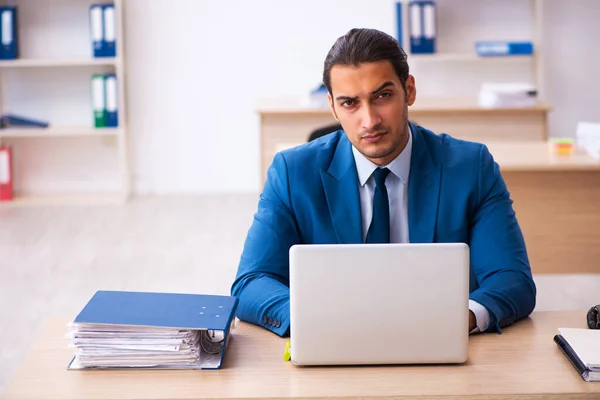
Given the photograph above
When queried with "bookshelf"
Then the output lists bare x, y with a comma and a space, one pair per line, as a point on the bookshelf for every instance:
71, 162
468, 57
58, 132
54, 63
448, 81
461, 23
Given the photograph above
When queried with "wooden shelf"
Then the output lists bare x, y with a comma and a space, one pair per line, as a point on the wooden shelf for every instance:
465, 57
421, 106
65, 200
58, 62
58, 132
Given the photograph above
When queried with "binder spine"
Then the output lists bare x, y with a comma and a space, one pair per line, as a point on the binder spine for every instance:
6, 187
416, 27
110, 31
399, 32
112, 108
98, 101
97, 30
429, 27
227, 333
9, 33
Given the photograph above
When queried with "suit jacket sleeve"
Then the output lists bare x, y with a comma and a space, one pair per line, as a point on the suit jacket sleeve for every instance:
262, 281
498, 254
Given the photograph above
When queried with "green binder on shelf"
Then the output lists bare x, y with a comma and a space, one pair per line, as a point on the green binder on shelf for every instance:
99, 101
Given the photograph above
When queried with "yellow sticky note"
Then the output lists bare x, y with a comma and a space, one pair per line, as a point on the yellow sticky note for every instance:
287, 355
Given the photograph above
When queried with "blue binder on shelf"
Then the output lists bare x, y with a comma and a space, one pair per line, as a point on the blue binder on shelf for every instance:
122, 312
399, 31
112, 102
110, 30
503, 48
8, 33
97, 30
422, 26
15, 121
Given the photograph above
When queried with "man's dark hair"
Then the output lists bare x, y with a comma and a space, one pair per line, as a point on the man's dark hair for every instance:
360, 46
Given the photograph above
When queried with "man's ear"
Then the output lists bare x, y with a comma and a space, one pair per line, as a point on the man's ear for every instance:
332, 107
411, 90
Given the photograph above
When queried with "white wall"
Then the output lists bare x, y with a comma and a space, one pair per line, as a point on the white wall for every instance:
216, 62
572, 63
196, 70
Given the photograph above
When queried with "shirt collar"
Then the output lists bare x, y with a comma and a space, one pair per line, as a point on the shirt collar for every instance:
399, 166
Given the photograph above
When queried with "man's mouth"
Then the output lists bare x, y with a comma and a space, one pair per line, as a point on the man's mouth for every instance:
373, 138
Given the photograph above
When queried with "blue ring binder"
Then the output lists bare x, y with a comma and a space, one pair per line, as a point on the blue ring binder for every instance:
209, 317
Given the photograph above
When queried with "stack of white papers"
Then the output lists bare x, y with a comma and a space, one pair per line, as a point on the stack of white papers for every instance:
118, 346
588, 138
498, 95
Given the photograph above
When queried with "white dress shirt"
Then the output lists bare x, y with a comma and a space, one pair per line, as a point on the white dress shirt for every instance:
397, 188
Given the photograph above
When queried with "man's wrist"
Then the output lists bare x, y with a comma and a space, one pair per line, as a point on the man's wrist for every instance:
482, 317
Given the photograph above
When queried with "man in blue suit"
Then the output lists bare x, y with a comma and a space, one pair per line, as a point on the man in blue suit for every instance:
383, 179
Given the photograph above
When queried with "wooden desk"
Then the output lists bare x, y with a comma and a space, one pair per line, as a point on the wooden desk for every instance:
522, 363
285, 121
557, 201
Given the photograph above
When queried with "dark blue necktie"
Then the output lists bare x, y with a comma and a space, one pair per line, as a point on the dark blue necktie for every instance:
379, 230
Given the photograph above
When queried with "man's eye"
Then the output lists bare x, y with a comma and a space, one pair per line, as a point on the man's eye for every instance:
384, 95
348, 103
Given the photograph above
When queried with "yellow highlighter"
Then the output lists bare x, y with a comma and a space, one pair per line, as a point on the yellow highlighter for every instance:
287, 354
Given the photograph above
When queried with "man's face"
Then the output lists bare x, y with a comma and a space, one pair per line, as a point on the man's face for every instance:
372, 107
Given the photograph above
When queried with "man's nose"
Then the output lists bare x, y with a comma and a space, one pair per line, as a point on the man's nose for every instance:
370, 119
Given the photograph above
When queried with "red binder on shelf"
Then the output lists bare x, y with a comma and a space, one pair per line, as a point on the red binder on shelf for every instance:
6, 192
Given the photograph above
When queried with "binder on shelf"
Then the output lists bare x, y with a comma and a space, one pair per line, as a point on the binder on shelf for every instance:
8, 33
6, 174
97, 30
110, 30
399, 32
112, 107
98, 101
422, 26
16, 121
582, 349
118, 329
503, 48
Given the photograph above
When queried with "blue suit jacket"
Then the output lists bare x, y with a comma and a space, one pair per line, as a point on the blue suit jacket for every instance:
456, 194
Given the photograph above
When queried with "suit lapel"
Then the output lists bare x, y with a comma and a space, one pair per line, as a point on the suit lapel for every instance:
423, 191
340, 183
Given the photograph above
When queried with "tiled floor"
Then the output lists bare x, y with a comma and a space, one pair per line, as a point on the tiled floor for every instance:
52, 259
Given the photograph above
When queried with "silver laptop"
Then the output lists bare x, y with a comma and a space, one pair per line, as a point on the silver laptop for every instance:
379, 304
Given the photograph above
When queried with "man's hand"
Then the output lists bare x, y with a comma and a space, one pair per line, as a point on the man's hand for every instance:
472, 321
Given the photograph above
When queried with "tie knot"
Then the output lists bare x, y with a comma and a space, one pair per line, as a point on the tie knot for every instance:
380, 174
